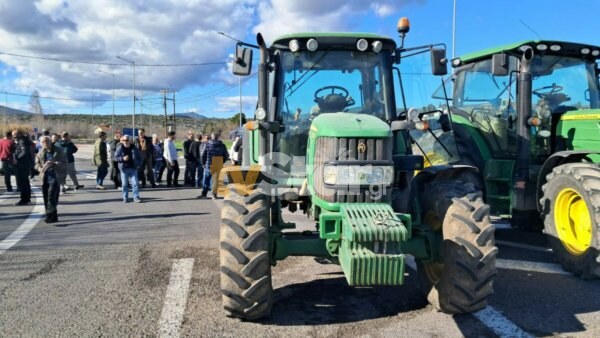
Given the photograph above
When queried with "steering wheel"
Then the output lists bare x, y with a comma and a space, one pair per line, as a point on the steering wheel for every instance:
547, 90
344, 91
336, 101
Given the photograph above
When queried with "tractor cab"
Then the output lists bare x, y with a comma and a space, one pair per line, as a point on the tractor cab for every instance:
527, 116
320, 74
564, 81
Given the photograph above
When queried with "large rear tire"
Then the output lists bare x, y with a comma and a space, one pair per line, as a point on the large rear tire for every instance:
463, 279
571, 211
245, 263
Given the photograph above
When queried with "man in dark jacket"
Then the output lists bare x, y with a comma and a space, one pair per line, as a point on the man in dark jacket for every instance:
190, 160
197, 153
115, 174
213, 156
129, 159
100, 160
70, 149
24, 156
49, 161
144, 145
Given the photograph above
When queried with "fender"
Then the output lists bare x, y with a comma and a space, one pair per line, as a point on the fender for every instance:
553, 161
441, 171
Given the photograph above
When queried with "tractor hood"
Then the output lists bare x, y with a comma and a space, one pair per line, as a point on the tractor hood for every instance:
348, 125
581, 129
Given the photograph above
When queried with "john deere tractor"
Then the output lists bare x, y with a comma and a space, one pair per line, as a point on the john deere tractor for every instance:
528, 116
329, 141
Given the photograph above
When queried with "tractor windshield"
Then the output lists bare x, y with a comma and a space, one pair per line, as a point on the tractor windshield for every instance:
331, 81
559, 83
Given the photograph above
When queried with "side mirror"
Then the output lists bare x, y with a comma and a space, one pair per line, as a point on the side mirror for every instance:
439, 63
242, 64
500, 64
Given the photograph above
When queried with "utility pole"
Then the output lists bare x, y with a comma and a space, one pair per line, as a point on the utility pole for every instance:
453, 28
174, 115
112, 123
164, 93
142, 108
92, 107
132, 116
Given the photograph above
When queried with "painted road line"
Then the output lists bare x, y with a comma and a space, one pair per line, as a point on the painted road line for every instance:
30, 223
503, 327
524, 246
175, 298
530, 266
489, 316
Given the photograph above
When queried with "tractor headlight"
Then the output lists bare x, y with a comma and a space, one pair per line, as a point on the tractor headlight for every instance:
358, 175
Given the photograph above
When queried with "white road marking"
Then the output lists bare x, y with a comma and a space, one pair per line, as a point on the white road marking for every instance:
530, 266
175, 298
30, 222
489, 316
499, 324
524, 246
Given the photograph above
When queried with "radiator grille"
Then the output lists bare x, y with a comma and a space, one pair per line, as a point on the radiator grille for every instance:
347, 149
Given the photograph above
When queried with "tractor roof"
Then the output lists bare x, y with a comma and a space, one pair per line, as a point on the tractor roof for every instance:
566, 49
337, 40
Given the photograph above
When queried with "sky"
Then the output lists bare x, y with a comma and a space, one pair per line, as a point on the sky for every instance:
185, 33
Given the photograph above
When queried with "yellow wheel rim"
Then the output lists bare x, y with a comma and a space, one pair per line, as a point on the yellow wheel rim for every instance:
573, 221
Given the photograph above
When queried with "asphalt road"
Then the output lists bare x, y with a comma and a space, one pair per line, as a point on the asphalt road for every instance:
150, 269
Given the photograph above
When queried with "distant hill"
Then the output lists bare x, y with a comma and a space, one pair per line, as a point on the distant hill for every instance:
192, 115
12, 111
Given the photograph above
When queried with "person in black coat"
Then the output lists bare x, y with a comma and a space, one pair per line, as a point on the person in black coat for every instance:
144, 145
190, 160
24, 156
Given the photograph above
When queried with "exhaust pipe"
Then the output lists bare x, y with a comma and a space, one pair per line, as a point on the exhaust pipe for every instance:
523, 135
263, 95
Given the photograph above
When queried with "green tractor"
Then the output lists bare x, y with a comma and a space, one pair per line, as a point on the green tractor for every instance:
527, 115
327, 140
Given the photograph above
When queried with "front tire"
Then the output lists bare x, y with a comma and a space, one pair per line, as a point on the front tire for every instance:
463, 279
245, 260
571, 211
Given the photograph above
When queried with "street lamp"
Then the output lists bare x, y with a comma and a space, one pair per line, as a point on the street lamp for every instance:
133, 116
112, 124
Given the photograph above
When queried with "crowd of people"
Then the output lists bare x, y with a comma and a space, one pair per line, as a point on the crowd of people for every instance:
130, 161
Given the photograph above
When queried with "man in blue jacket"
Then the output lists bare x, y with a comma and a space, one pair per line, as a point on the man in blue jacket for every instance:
129, 159
213, 156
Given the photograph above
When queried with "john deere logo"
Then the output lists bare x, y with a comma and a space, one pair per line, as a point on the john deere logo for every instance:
362, 147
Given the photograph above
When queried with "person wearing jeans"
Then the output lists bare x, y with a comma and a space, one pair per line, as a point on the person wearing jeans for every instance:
214, 155
100, 160
129, 159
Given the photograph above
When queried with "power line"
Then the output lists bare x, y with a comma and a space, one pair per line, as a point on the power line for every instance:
116, 64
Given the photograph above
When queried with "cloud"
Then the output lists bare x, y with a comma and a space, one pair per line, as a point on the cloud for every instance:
231, 104
278, 17
152, 32
148, 32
